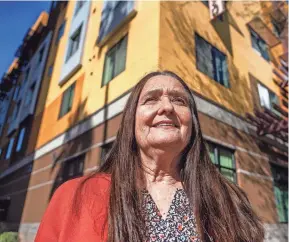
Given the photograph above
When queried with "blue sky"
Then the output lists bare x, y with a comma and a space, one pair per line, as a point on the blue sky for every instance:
15, 19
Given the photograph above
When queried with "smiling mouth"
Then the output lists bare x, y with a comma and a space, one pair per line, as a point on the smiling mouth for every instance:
165, 125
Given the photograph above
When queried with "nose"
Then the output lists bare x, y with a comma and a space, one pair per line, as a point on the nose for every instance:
165, 106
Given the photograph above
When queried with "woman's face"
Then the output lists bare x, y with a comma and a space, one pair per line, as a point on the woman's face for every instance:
163, 115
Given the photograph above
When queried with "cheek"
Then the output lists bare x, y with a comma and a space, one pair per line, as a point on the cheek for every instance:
142, 122
185, 117
144, 116
187, 123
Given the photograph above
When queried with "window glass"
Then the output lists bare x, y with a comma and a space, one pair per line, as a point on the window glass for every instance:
20, 139
223, 159
259, 45
211, 61
30, 93
41, 55
267, 97
212, 154
16, 93
50, 70
67, 100
79, 5
120, 56
108, 69
74, 43
280, 176
9, 149
229, 174
115, 61
113, 14
73, 168
281, 198
226, 158
60, 31
105, 149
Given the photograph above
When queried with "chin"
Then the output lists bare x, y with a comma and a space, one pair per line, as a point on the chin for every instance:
167, 143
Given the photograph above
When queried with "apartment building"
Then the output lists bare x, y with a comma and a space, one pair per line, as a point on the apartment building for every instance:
94, 52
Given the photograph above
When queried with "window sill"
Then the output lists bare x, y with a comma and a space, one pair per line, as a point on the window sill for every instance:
69, 75
103, 85
126, 20
215, 81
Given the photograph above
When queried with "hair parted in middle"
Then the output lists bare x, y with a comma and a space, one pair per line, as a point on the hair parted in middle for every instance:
221, 208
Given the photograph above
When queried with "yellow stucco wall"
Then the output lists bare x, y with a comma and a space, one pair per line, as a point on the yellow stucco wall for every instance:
161, 35
142, 56
180, 21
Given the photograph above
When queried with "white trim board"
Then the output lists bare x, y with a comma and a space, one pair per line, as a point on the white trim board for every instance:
113, 138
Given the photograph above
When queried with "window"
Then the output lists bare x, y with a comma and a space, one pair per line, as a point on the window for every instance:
74, 43
115, 60
67, 100
60, 31
16, 93
276, 28
40, 55
9, 149
205, 2
27, 74
20, 140
79, 5
73, 168
105, 149
16, 111
53, 4
259, 45
211, 61
28, 168
267, 97
280, 177
29, 96
4, 207
223, 159
50, 70
113, 14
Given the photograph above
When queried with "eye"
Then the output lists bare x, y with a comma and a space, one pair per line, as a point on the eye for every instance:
150, 100
179, 100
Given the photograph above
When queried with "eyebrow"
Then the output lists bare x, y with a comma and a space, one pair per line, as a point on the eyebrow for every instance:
160, 91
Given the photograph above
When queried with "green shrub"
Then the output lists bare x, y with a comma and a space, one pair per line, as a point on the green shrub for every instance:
9, 237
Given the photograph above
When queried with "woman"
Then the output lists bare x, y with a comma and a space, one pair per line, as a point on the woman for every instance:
157, 183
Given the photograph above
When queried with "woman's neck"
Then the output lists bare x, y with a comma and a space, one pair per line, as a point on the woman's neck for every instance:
160, 168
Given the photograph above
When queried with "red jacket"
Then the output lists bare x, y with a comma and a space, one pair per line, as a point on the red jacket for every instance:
61, 223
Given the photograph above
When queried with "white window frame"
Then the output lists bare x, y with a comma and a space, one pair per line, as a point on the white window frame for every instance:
264, 96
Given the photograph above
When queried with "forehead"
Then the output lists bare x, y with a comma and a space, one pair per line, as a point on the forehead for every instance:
166, 83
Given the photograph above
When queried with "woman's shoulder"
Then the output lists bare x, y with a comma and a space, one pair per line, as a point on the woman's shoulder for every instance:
89, 195
100, 179
88, 185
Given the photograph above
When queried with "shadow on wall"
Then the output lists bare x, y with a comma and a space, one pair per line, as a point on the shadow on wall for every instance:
180, 24
71, 159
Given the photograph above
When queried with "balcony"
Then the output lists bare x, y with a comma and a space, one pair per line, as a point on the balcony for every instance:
114, 15
259, 27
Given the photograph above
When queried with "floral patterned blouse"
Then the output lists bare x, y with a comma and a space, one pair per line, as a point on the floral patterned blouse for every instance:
179, 224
